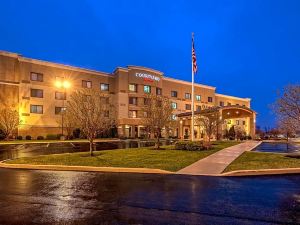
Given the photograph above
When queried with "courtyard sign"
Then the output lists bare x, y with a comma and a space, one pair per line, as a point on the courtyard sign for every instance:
147, 77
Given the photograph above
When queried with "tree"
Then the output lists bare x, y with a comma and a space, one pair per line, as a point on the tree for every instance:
210, 122
231, 133
287, 106
9, 121
240, 132
68, 122
287, 126
157, 115
92, 112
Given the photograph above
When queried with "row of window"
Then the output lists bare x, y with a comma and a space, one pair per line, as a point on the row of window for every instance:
85, 83
39, 93
147, 90
237, 122
228, 103
134, 114
39, 109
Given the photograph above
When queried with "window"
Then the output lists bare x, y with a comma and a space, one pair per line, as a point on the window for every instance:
188, 96
86, 84
133, 100
132, 113
147, 101
38, 109
147, 89
58, 110
158, 91
221, 103
237, 104
229, 122
104, 87
198, 108
237, 122
174, 117
36, 76
132, 87
244, 122
174, 94
228, 103
198, 98
210, 99
145, 114
174, 105
36, 93
60, 95
188, 106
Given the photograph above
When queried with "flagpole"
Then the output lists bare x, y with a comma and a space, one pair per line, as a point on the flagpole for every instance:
192, 129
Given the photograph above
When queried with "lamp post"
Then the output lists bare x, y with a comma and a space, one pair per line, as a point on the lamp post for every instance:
64, 84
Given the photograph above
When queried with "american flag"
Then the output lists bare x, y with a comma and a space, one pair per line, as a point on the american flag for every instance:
195, 68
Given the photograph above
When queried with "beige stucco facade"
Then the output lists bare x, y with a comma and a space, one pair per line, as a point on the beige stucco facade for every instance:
16, 85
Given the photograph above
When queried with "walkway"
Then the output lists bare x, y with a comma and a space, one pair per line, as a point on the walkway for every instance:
216, 163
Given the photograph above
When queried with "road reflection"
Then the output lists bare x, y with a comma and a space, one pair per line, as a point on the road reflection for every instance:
44, 197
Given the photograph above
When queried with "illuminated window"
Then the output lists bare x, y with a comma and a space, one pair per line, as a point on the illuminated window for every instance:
244, 122
58, 110
237, 122
174, 105
38, 109
132, 87
210, 99
147, 89
132, 114
198, 98
198, 108
86, 84
174, 117
221, 103
36, 93
188, 96
104, 87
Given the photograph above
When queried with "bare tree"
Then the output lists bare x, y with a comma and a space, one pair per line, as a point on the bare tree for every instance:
93, 113
158, 115
210, 122
287, 126
9, 121
67, 122
240, 132
287, 106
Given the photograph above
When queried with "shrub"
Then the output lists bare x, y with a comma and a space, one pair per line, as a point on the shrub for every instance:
40, 138
2, 135
19, 137
51, 136
189, 145
28, 137
76, 133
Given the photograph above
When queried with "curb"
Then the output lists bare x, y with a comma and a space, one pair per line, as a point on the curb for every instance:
262, 172
83, 168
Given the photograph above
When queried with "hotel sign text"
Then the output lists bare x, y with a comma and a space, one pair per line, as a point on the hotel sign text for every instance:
147, 77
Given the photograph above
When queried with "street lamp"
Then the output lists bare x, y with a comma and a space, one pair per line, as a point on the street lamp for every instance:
64, 84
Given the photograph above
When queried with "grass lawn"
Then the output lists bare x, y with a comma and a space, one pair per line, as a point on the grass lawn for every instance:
261, 160
168, 159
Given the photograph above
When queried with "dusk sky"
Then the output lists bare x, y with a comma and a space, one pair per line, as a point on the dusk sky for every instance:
244, 48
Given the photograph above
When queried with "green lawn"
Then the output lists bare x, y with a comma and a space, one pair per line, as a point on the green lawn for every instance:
168, 159
261, 160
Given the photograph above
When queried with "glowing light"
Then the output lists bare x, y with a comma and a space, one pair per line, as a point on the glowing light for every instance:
66, 84
237, 112
58, 84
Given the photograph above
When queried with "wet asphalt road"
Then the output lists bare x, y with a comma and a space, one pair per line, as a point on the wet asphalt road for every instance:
44, 197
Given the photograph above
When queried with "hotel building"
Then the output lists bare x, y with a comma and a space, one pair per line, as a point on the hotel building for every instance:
28, 84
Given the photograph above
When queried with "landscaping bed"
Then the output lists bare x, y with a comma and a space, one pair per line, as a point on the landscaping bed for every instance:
167, 159
260, 160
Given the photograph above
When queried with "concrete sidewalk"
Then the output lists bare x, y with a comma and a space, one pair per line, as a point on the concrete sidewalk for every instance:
216, 163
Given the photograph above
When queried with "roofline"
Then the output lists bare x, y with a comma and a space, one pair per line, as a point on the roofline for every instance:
145, 68
53, 64
188, 83
233, 97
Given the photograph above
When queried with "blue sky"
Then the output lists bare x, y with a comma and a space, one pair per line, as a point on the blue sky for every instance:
244, 48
